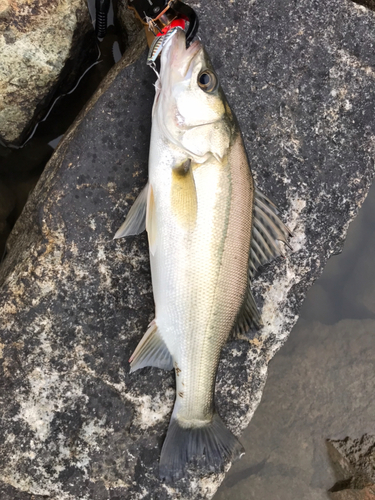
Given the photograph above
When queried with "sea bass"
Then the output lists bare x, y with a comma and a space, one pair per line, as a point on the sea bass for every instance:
208, 232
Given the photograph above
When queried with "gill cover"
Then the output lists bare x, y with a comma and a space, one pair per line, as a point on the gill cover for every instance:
190, 107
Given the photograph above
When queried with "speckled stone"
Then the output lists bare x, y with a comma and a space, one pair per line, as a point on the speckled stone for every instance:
41, 43
130, 25
354, 464
74, 303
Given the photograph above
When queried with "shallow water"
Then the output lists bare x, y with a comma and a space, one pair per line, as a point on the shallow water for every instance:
320, 384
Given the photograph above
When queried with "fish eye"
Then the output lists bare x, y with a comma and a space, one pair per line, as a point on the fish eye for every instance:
207, 80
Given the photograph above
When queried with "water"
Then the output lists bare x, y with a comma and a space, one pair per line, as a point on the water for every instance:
320, 384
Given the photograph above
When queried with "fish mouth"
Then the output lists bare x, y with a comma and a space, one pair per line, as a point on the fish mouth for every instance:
194, 49
179, 57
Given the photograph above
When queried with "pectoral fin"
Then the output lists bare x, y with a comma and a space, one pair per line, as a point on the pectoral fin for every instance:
151, 351
151, 221
183, 195
135, 221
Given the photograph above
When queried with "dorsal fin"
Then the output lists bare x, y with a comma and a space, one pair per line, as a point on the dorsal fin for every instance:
268, 234
248, 317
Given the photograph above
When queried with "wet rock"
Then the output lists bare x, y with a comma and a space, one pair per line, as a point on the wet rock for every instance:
361, 289
42, 42
74, 303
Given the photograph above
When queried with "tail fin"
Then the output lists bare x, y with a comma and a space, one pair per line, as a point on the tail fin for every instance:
207, 447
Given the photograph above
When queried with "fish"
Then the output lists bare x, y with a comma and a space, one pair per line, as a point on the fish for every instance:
209, 231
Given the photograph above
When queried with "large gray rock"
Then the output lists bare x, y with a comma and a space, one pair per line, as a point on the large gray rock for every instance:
41, 43
74, 303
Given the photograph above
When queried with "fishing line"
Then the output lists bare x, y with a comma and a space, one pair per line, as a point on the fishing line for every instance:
56, 100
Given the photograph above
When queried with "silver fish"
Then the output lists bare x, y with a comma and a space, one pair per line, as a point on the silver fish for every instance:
208, 230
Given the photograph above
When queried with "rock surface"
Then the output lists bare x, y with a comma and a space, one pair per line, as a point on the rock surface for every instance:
130, 25
41, 43
74, 303
354, 463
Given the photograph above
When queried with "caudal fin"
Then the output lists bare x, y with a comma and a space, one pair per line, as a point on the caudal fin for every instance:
207, 447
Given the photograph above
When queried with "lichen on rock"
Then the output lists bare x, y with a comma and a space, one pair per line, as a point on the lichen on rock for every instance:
40, 41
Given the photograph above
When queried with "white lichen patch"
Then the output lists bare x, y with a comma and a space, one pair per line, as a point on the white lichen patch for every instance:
93, 429
48, 391
207, 485
349, 60
288, 275
150, 410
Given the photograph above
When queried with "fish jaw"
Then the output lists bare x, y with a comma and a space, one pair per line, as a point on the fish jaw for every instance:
176, 58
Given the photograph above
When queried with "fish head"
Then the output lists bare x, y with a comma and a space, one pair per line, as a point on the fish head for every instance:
190, 106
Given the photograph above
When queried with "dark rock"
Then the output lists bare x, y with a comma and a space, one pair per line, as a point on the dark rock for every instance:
367, 493
74, 303
7, 205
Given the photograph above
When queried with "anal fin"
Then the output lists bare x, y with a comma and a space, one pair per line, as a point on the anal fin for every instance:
248, 317
151, 351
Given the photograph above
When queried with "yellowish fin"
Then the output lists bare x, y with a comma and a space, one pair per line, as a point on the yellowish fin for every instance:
151, 221
183, 195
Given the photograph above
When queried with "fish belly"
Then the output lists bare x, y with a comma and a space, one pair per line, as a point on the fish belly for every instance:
199, 269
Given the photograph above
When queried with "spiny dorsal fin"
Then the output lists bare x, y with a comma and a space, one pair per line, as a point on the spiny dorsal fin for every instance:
248, 317
268, 233
151, 351
135, 221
